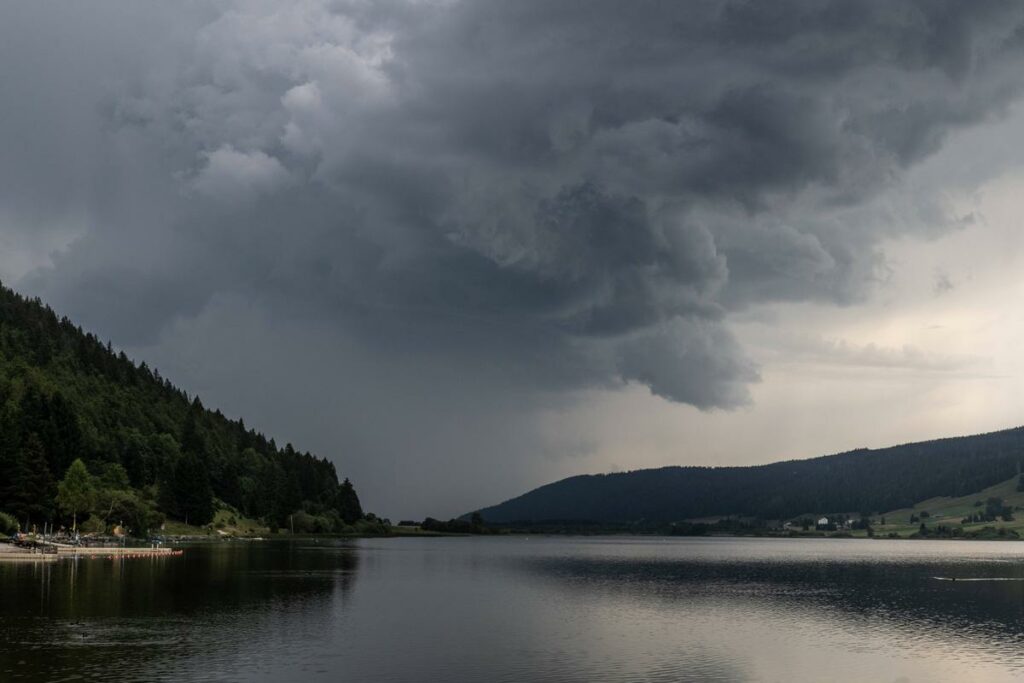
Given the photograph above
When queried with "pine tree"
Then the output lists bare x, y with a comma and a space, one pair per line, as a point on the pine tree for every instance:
193, 495
191, 439
30, 489
273, 506
348, 503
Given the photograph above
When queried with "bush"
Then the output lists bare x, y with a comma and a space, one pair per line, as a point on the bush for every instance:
140, 516
327, 523
93, 525
336, 524
8, 524
370, 526
304, 523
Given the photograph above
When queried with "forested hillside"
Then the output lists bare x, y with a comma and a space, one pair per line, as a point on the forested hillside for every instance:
149, 449
858, 481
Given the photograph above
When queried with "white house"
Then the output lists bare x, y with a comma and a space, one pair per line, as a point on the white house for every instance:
823, 521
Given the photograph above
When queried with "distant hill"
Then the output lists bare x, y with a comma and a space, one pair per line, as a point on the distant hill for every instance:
863, 480
150, 450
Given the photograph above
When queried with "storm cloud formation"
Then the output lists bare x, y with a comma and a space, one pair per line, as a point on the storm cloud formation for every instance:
533, 196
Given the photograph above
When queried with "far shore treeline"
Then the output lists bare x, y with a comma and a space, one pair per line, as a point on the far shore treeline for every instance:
88, 435
865, 481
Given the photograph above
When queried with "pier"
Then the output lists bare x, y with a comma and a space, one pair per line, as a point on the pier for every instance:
52, 552
15, 554
99, 551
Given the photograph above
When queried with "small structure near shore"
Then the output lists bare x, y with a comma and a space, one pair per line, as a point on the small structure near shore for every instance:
12, 553
51, 552
99, 551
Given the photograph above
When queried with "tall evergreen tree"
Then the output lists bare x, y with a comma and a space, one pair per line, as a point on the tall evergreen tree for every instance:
193, 495
191, 438
30, 488
348, 503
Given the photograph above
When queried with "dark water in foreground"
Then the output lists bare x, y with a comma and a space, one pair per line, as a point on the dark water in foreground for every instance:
524, 609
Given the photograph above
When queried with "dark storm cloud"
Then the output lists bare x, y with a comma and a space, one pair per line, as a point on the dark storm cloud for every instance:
554, 194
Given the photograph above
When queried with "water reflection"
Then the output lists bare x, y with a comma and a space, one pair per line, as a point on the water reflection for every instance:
156, 617
953, 602
518, 609
979, 593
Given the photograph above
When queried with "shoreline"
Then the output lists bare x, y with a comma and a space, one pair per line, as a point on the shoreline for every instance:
18, 555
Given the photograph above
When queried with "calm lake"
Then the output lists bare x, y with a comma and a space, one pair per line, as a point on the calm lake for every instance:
524, 609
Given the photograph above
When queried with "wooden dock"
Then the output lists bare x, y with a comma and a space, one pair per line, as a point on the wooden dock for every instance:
75, 551
55, 552
27, 556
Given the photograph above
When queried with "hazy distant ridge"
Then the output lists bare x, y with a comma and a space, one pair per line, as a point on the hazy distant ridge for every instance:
863, 480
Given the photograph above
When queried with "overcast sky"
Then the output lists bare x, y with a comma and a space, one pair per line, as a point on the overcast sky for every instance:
466, 248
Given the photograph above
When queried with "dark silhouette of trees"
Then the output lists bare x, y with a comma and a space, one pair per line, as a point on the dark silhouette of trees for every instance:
348, 502
27, 487
883, 479
193, 497
65, 396
474, 525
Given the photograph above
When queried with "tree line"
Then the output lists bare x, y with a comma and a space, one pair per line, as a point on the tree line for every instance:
66, 398
864, 480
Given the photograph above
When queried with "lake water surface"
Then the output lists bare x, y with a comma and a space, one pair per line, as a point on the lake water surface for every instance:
524, 609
